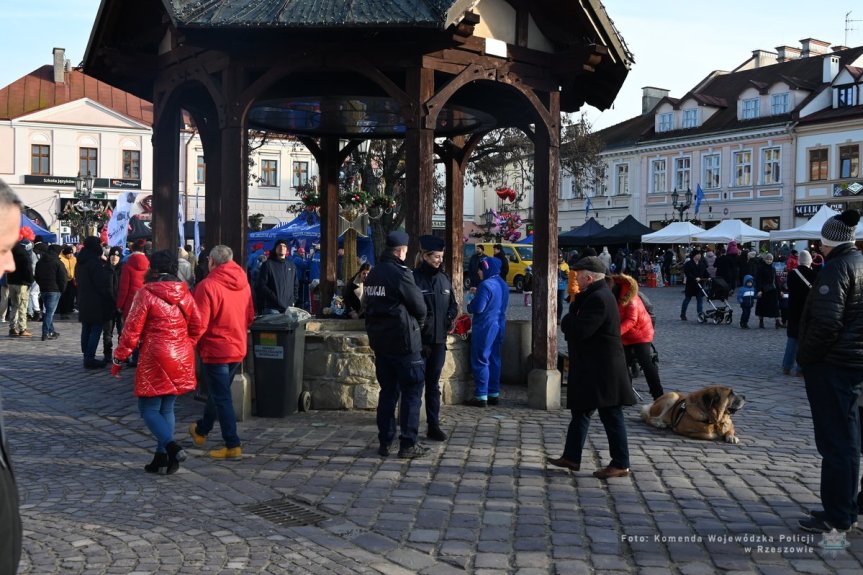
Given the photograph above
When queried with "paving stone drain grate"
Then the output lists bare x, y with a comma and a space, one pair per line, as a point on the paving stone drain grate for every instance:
286, 513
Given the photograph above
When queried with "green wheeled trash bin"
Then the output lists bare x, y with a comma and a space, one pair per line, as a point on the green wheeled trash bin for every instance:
278, 347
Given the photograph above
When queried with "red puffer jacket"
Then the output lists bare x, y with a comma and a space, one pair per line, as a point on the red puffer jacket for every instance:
165, 320
635, 324
131, 280
225, 300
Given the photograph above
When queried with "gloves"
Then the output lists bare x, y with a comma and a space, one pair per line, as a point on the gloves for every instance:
426, 352
116, 367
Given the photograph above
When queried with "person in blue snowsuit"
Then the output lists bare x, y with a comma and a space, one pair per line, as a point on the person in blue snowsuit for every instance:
489, 311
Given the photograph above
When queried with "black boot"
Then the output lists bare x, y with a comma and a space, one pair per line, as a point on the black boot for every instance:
176, 454
761, 322
158, 465
435, 433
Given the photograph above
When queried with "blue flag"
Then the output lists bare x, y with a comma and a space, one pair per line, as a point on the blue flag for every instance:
699, 195
587, 205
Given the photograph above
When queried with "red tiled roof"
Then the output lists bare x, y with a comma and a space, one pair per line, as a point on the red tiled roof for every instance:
37, 91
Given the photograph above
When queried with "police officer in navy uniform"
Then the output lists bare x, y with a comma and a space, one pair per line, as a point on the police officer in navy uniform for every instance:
395, 312
442, 309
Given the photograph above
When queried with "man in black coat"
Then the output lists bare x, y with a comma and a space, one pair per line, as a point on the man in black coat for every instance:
473, 267
694, 271
51, 277
831, 356
598, 374
276, 287
10, 520
19, 281
95, 305
395, 313
504, 262
442, 309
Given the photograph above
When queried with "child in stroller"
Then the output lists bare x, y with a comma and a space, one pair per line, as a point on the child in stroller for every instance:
720, 312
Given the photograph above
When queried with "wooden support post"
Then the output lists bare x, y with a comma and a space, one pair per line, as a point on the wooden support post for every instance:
419, 160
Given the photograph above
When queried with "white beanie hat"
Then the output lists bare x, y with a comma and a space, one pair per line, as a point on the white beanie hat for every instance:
804, 259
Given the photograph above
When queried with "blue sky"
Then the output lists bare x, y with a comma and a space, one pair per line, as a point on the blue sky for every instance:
675, 43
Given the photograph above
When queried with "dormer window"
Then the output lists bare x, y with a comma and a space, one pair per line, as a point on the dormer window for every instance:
779, 103
846, 96
750, 109
690, 118
665, 122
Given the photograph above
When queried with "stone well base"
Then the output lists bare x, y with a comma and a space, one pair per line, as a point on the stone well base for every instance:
339, 368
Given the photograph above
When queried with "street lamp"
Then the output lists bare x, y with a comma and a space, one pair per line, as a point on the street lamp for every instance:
84, 191
679, 206
488, 223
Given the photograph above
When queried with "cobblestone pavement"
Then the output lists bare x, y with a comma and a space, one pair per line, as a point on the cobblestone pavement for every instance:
484, 502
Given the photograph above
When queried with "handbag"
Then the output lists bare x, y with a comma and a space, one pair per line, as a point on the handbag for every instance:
461, 326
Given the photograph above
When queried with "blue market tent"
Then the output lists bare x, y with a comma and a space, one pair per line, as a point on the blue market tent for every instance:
527, 240
304, 231
47, 236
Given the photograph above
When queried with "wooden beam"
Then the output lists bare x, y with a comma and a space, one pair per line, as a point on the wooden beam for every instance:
419, 160
166, 179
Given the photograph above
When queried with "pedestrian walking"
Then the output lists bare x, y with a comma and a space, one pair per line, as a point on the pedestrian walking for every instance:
473, 267
51, 276
20, 279
598, 375
395, 312
224, 299
115, 321
800, 282
95, 305
527, 286
276, 286
746, 299
11, 534
165, 321
766, 291
131, 280
831, 356
442, 310
694, 271
67, 301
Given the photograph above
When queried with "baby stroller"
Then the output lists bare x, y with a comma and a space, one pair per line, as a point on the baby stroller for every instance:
721, 312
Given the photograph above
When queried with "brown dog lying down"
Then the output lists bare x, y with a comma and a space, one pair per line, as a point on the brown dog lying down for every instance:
703, 414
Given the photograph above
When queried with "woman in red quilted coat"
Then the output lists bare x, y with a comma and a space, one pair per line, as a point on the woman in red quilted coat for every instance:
636, 329
165, 321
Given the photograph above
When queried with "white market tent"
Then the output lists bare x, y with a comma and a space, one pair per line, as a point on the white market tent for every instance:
811, 230
731, 230
675, 233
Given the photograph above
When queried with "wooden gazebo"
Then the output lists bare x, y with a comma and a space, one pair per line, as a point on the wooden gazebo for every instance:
439, 73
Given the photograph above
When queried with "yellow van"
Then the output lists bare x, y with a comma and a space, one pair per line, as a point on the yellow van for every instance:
519, 255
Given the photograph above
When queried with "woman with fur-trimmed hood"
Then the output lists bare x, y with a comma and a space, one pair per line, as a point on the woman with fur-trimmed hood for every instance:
636, 329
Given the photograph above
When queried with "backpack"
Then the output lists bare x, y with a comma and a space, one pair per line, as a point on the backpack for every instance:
649, 307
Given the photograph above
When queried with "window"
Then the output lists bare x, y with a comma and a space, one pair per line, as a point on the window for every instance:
301, 174
681, 173
690, 118
779, 104
87, 161
743, 168
846, 96
623, 179
201, 174
269, 173
658, 177
769, 224
770, 165
131, 164
40, 160
817, 165
849, 161
750, 109
710, 162
665, 122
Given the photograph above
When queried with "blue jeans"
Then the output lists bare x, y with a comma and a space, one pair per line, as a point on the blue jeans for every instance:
400, 376
615, 431
50, 299
220, 404
90, 335
833, 392
158, 413
433, 367
698, 304
789, 359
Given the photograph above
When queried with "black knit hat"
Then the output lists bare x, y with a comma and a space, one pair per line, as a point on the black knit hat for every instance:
840, 229
115, 251
164, 262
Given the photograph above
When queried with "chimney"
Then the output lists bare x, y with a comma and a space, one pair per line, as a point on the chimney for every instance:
59, 65
651, 96
761, 58
830, 68
813, 47
786, 53
838, 48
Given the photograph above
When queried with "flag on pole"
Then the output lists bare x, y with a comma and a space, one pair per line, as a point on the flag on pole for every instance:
181, 219
699, 195
197, 231
587, 206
